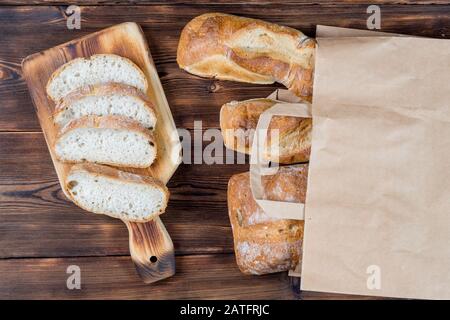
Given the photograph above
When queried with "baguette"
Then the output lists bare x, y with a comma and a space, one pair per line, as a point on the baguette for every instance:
238, 122
113, 140
264, 244
241, 49
98, 69
106, 99
104, 190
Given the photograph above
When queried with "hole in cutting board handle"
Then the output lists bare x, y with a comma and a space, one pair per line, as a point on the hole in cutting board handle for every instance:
153, 259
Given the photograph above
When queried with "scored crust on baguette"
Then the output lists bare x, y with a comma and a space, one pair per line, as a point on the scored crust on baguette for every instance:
238, 120
264, 244
113, 140
235, 48
97, 69
104, 190
106, 99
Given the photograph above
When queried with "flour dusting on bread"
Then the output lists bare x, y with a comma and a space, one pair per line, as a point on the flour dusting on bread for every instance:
264, 244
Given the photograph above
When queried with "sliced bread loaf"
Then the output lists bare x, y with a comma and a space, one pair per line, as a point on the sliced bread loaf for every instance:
106, 99
113, 140
123, 195
99, 68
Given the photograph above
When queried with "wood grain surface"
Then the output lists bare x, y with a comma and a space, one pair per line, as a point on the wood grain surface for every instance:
222, 2
41, 233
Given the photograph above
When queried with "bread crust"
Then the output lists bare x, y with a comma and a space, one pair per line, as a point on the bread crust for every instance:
58, 71
102, 90
238, 120
106, 122
263, 244
216, 45
126, 177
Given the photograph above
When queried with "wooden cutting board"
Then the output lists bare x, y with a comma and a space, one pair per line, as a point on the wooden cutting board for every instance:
150, 245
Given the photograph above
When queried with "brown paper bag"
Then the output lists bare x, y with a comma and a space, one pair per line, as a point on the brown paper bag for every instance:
377, 218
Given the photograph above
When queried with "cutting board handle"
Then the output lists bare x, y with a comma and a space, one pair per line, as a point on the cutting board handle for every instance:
151, 250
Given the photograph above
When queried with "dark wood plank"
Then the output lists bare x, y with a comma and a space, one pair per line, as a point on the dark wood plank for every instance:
197, 277
80, 234
190, 98
36, 220
223, 2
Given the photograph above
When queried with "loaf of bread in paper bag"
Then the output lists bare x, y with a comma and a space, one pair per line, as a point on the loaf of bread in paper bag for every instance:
264, 244
238, 120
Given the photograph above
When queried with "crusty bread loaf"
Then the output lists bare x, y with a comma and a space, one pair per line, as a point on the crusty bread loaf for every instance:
123, 195
106, 99
113, 140
238, 120
263, 244
235, 48
99, 68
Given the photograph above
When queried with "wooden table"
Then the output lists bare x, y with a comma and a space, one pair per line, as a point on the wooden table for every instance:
42, 233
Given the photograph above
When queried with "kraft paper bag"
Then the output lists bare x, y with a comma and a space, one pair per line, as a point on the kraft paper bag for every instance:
377, 213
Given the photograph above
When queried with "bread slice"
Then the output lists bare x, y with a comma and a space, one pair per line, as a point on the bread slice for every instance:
119, 194
238, 120
113, 140
99, 68
106, 99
